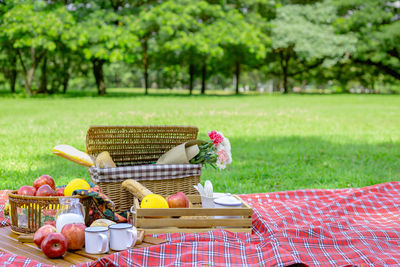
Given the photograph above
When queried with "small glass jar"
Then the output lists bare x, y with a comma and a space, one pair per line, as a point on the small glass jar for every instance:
71, 211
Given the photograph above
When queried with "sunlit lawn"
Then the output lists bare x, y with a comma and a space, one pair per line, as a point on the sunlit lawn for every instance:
278, 142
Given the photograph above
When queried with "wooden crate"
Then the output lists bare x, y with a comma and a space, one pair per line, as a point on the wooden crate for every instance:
193, 219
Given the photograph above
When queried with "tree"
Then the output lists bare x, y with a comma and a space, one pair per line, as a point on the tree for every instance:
303, 38
103, 41
32, 28
243, 42
188, 37
8, 55
376, 24
143, 23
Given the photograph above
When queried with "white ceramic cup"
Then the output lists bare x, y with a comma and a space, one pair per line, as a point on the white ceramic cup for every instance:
122, 236
96, 240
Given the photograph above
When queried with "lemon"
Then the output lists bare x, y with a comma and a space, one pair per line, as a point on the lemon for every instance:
75, 184
154, 201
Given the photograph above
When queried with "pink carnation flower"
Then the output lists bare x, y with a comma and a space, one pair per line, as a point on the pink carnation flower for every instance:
216, 137
222, 156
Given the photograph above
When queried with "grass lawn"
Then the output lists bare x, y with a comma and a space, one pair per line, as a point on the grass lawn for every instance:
278, 142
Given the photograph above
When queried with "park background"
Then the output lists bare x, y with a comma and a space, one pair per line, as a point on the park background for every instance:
306, 91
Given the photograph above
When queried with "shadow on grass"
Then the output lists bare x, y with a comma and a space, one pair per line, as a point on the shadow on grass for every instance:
262, 165
287, 163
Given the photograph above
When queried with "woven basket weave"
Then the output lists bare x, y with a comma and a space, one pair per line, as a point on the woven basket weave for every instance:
35, 208
140, 145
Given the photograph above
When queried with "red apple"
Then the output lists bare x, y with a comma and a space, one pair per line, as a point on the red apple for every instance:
178, 200
60, 191
45, 191
54, 245
42, 232
44, 179
27, 190
75, 235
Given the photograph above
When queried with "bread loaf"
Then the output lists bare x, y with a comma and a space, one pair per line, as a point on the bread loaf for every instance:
102, 222
104, 160
136, 188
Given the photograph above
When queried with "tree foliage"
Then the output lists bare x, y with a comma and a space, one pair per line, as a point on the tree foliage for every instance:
303, 37
376, 24
179, 42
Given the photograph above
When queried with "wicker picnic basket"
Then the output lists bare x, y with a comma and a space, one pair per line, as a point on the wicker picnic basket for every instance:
134, 149
29, 213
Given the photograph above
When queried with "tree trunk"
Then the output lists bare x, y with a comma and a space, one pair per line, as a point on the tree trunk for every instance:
203, 78
99, 76
237, 75
117, 80
65, 82
66, 73
11, 72
145, 62
146, 80
28, 81
191, 78
285, 57
285, 80
43, 77
13, 79
30, 73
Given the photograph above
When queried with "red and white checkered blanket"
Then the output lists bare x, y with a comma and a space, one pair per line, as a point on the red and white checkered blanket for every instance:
357, 226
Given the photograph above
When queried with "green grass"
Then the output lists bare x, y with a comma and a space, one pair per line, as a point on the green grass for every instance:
278, 142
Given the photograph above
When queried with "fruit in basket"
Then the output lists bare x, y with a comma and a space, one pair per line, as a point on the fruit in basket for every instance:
60, 191
178, 200
42, 233
27, 190
75, 184
154, 201
45, 191
44, 179
54, 245
7, 208
75, 235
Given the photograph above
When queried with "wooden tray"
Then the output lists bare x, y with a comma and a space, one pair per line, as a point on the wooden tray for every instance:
9, 243
193, 219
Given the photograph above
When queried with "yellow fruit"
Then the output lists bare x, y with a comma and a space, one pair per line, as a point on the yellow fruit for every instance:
75, 184
7, 208
154, 201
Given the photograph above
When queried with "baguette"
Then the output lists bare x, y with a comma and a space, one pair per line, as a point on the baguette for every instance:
136, 188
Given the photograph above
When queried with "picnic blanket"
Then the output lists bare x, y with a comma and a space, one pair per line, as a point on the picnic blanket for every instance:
341, 227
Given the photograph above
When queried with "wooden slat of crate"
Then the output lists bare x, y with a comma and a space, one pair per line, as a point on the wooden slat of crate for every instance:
193, 223
168, 230
194, 212
193, 219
